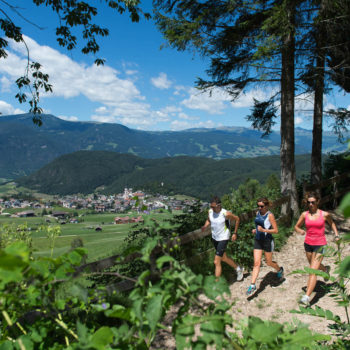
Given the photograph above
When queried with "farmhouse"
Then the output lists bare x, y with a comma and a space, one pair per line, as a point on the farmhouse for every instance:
59, 214
127, 219
26, 214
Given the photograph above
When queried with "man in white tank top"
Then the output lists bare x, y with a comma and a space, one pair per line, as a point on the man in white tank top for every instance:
219, 218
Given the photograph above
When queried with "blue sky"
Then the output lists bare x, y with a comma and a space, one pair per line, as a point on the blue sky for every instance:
140, 85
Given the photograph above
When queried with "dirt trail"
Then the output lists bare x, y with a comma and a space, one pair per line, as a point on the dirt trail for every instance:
273, 300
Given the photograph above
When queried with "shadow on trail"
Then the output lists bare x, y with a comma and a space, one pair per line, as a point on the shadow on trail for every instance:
321, 289
233, 278
269, 280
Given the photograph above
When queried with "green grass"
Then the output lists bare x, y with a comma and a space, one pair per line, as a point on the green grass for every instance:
99, 244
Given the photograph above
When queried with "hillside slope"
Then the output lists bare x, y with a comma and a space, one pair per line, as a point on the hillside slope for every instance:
84, 171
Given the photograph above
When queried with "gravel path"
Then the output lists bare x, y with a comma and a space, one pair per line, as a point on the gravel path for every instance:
274, 299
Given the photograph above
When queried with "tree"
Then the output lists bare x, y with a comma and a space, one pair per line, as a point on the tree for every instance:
248, 42
327, 65
254, 42
75, 17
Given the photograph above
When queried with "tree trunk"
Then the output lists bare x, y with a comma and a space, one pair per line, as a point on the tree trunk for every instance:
316, 155
288, 174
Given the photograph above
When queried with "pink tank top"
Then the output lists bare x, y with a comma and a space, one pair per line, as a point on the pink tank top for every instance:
315, 230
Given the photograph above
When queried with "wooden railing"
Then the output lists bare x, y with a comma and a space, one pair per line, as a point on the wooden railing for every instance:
127, 284
100, 265
334, 182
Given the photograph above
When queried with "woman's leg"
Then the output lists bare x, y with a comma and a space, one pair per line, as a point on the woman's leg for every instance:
257, 263
229, 261
269, 262
316, 260
309, 258
218, 268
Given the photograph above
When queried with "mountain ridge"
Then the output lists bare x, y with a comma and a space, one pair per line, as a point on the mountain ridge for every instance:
26, 147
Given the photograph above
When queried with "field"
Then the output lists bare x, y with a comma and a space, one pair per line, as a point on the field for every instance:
99, 244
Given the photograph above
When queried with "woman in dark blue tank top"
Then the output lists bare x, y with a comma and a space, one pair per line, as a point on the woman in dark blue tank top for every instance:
265, 226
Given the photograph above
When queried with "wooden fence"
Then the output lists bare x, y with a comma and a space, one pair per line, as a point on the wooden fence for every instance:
103, 264
334, 184
127, 284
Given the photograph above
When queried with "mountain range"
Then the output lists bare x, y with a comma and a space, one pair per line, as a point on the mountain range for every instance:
25, 147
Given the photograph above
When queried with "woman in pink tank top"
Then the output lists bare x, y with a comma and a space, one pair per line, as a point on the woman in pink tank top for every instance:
315, 239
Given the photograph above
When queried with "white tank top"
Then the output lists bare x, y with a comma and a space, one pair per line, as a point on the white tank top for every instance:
219, 231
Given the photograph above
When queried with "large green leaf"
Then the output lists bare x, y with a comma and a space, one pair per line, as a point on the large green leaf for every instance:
212, 332
119, 311
146, 250
344, 267
345, 205
154, 310
6, 345
74, 257
266, 332
213, 288
7, 276
19, 249
184, 330
101, 338
163, 260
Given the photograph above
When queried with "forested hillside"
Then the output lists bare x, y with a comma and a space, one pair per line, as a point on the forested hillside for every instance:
25, 147
84, 171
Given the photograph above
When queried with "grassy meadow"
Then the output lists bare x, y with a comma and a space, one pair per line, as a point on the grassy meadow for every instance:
99, 244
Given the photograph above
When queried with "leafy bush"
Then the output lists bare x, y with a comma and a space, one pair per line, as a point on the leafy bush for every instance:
12, 233
36, 316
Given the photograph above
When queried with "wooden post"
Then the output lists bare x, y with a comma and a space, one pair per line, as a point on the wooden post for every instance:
335, 190
304, 188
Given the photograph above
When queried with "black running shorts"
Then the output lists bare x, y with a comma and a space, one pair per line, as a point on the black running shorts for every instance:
220, 247
267, 245
314, 248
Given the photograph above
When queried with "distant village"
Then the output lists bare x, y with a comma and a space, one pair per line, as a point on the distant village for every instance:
129, 200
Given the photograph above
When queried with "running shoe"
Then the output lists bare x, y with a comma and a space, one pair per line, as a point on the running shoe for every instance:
280, 273
305, 300
239, 272
251, 289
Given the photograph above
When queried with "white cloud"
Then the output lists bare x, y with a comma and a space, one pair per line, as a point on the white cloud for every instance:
7, 109
161, 82
298, 120
246, 99
304, 104
120, 98
180, 90
181, 125
131, 72
187, 117
71, 118
5, 84
213, 103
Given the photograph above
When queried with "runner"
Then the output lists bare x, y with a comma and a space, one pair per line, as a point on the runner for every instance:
265, 226
218, 218
315, 239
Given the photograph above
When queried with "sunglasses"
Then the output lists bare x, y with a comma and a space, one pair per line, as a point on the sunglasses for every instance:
261, 206
311, 202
